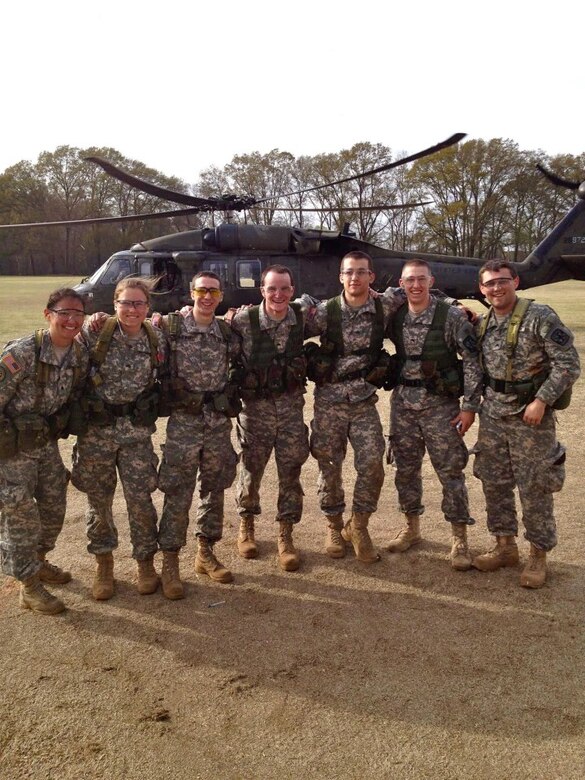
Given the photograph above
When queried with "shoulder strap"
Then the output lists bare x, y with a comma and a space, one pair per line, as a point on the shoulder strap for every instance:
520, 309
226, 331
294, 343
334, 330
100, 349
153, 341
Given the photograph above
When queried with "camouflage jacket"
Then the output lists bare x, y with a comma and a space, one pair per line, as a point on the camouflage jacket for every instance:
127, 368
544, 345
202, 358
18, 388
356, 327
460, 338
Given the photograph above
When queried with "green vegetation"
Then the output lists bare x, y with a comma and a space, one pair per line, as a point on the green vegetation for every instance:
22, 302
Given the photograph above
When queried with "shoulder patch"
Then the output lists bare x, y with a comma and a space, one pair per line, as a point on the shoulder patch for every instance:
11, 363
470, 343
560, 336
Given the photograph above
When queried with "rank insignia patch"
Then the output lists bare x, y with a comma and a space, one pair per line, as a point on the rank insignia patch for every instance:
11, 363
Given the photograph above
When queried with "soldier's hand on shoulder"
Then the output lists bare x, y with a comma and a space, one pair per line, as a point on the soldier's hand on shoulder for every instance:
97, 320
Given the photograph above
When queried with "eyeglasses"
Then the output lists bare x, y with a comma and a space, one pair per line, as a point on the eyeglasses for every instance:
410, 280
273, 290
201, 292
132, 304
69, 314
492, 283
360, 273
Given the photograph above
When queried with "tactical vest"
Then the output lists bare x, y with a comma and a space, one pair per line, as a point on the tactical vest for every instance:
144, 409
440, 365
269, 372
32, 430
175, 393
322, 359
525, 389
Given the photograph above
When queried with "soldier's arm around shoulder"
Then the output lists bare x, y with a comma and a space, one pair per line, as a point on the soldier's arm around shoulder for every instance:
461, 336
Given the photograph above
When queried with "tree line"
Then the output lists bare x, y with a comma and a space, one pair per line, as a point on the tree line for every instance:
486, 200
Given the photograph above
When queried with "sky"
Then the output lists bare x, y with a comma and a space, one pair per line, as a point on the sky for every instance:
182, 86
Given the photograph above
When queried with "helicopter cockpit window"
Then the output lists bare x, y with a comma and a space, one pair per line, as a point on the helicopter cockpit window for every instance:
248, 273
119, 268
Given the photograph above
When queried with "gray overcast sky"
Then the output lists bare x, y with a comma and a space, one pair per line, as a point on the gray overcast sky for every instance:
181, 86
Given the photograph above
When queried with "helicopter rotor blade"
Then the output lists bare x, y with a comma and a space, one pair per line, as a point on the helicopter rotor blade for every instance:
558, 180
225, 203
103, 220
382, 207
454, 139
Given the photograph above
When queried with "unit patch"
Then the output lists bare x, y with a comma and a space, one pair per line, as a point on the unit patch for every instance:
470, 344
560, 336
11, 363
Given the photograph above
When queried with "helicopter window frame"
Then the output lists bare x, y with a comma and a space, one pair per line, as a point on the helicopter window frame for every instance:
114, 272
219, 267
253, 265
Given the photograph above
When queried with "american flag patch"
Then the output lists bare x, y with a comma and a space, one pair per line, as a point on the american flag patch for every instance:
11, 363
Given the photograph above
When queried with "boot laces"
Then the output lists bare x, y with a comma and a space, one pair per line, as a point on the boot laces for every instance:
52, 568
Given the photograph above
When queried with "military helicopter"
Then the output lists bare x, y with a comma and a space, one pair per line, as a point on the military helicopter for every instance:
239, 253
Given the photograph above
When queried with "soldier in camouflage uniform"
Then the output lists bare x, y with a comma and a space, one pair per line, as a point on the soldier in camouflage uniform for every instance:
126, 357
517, 444
38, 374
425, 412
198, 432
273, 379
345, 407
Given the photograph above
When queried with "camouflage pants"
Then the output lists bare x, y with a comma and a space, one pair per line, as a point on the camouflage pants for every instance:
413, 431
33, 490
195, 455
96, 456
265, 425
335, 424
511, 454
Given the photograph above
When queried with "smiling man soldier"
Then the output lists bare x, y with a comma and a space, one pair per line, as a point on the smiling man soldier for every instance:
530, 364
272, 378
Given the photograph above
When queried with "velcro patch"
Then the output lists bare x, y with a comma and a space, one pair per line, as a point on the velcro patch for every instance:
560, 336
11, 363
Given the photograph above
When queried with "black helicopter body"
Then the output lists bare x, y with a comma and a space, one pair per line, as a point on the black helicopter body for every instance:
239, 253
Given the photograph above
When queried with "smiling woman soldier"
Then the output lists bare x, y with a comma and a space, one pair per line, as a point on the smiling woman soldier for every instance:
125, 359
38, 375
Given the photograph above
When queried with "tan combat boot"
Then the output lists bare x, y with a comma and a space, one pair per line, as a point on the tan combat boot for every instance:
460, 557
334, 542
246, 542
288, 556
51, 573
408, 536
103, 582
34, 596
505, 553
148, 579
534, 574
170, 577
207, 563
356, 532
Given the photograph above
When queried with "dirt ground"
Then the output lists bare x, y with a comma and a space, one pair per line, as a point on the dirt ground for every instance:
402, 669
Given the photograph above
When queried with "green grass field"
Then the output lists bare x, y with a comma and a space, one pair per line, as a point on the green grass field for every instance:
22, 301
23, 298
